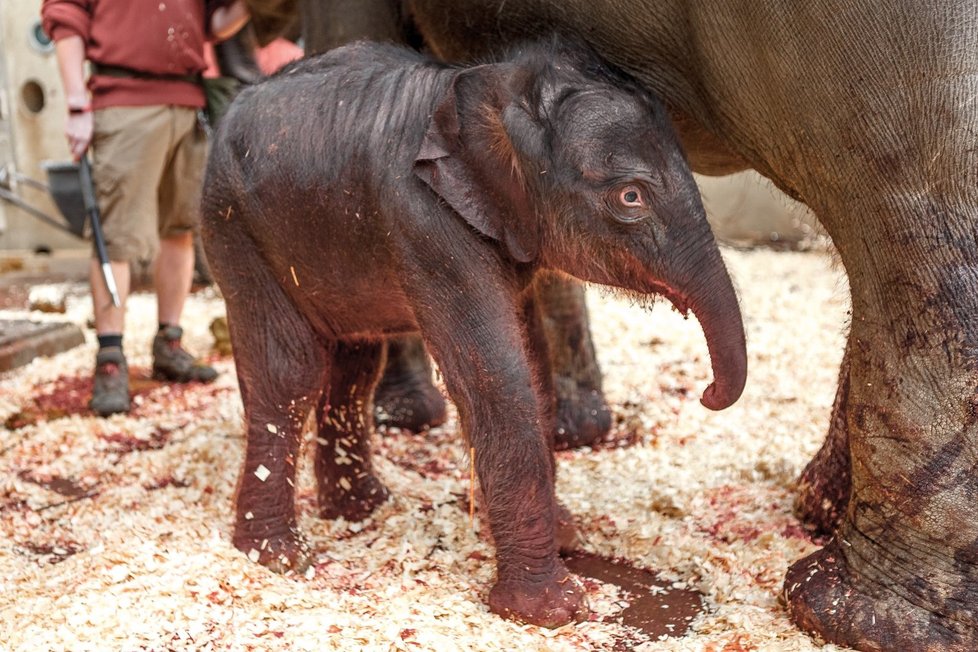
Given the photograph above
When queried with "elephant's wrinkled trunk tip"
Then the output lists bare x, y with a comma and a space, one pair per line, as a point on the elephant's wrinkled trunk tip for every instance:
729, 368
716, 307
716, 398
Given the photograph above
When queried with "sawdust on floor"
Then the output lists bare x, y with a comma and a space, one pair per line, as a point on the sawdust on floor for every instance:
116, 532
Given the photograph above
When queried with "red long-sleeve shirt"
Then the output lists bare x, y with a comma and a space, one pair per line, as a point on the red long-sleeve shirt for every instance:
151, 36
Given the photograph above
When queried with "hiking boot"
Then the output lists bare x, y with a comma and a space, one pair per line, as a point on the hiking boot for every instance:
172, 362
110, 392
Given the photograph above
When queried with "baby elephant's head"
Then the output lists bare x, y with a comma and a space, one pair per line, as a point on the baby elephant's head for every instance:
568, 165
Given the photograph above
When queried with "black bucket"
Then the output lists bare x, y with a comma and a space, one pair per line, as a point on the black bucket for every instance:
65, 185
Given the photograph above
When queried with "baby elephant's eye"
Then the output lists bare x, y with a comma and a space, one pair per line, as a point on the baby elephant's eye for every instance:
631, 197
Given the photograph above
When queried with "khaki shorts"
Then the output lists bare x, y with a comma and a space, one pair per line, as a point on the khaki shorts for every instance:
148, 164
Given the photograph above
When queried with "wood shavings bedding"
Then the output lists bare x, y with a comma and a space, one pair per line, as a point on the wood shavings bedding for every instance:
116, 532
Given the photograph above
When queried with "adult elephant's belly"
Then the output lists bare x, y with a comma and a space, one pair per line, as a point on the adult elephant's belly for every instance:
488, 27
707, 153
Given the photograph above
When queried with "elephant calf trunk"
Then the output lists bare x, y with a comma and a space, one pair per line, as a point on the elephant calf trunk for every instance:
715, 306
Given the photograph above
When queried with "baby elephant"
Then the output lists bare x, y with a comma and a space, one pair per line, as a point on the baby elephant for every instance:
372, 191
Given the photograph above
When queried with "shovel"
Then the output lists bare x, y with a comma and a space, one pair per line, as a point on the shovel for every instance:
95, 216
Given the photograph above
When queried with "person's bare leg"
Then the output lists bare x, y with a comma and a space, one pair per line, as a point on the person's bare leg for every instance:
172, 275
109, 318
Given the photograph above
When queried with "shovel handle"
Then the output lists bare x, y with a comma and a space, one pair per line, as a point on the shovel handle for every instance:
87, 185
91, 206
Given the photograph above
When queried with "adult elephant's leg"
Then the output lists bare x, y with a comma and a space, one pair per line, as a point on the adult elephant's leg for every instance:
824, 485
881, 145
405, 397
902, 570
582, 413
328, 24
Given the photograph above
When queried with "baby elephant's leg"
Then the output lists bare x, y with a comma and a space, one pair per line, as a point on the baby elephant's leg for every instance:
280, 365
508, 419
566, 533
347, 485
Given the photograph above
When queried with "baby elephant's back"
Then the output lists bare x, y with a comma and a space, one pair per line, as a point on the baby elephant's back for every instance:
343, 117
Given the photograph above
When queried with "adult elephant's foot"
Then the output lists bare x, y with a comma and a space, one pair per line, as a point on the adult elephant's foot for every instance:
902, 570
406, 397
824, 485
282, 553
583, 416
854, 601
551, 601
567, 536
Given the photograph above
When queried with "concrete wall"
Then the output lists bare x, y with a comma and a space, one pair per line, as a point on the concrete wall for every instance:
32, 114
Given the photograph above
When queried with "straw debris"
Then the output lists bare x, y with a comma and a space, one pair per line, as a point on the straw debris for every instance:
144, 561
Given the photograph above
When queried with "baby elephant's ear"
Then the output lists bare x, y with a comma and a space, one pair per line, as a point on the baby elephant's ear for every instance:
467, 159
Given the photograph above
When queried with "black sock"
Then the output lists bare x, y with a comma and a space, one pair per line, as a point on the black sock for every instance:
110, 339
163, 326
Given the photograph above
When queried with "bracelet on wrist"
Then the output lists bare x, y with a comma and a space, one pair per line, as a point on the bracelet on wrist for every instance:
78, 110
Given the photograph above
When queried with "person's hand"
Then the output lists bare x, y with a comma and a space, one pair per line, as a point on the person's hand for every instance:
227, 20
78, 130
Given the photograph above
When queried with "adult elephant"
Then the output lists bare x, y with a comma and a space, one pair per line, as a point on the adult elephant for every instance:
868, 113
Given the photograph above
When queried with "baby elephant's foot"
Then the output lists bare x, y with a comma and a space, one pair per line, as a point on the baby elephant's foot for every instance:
551, 602
356, 503
281, 554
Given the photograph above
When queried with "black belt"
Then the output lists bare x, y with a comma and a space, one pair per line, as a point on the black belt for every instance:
122, 71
